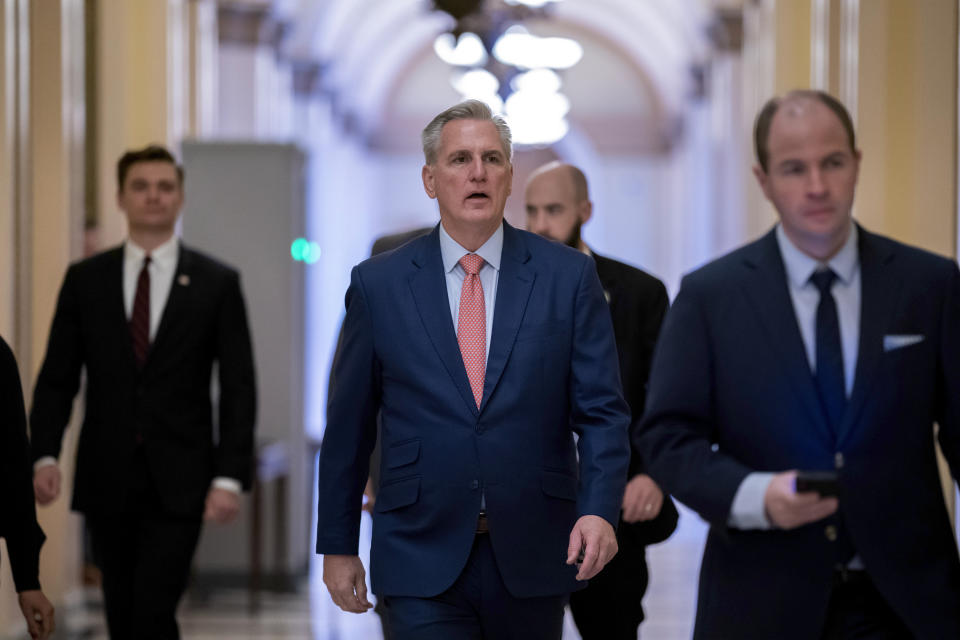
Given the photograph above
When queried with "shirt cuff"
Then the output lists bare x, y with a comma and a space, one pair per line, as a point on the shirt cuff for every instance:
227, 484
747, 511
45, 461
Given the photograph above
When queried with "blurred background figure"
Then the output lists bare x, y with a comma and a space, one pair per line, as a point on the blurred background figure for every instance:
280, 109
558, 205
18, 515
147, 321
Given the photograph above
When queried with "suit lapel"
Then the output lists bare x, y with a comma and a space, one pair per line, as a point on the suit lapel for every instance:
766, 288
878, 298
513, 291
177, 300
429, 288
608, 280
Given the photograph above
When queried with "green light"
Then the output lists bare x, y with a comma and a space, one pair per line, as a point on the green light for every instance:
312, 253
303, 250
299, 249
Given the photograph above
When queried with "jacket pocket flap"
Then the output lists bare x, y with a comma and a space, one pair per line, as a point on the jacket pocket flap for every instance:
402, 454
398, 494
559, 485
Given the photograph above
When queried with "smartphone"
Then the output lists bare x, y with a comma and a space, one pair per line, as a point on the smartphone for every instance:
826, 483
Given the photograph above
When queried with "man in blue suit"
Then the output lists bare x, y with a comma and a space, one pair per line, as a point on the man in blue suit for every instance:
819, 347
484, 349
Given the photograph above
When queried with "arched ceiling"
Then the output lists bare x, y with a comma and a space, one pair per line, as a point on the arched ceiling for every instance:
626, 93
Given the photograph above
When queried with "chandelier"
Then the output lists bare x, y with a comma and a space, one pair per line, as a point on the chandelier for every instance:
495, 59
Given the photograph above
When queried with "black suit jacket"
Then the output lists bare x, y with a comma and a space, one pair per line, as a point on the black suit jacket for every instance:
638, 303
18, 516
167, 405
731, 392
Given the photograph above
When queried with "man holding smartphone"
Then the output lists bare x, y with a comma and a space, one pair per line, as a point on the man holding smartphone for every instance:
819, 347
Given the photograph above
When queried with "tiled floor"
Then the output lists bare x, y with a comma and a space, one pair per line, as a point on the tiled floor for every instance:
669, 604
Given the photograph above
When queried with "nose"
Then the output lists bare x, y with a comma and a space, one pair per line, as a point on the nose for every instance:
816, 185
478, 170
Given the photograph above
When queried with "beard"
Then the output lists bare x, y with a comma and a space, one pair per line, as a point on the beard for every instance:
573, 240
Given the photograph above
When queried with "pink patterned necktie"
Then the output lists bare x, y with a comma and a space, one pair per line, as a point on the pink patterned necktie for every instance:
472, 325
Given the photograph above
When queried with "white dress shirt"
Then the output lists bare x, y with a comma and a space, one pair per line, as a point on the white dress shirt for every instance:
747, 511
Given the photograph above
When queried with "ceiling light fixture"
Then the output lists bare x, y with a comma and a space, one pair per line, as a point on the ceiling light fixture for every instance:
467, 51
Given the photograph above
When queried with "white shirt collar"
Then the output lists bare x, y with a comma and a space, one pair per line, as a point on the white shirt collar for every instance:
451, 251
800, 266
164, 255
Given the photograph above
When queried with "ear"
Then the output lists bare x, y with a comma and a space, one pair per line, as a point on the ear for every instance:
510, 181
762, 179
429, 184
585, 211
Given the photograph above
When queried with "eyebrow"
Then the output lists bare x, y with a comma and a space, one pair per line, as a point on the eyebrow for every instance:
499, 152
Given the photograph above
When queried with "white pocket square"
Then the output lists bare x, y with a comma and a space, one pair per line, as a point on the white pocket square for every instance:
898, 341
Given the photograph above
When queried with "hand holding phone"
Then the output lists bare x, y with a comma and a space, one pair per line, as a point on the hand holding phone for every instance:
825, 483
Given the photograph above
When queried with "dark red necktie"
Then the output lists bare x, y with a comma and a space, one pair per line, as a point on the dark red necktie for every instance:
140, 318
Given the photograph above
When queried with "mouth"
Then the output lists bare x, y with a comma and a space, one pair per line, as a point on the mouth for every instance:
478, 196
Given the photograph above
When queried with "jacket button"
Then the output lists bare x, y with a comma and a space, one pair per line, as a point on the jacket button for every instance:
475, 485
831, 532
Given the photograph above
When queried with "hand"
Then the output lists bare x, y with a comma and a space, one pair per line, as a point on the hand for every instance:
222, 506
370, 497
642, 499
788, 509
598, 540
46, 483
38, 612
345, 580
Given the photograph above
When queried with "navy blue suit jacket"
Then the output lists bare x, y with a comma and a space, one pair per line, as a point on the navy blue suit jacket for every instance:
732, 392
552, 370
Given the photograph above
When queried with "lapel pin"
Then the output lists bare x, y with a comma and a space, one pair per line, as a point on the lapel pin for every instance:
183, 280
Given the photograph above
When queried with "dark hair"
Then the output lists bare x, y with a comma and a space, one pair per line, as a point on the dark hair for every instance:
761, 128
150, 153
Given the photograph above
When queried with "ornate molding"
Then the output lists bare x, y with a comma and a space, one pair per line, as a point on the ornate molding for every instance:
252, 24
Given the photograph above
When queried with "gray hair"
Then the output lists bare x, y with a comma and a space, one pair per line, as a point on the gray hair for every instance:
466, 110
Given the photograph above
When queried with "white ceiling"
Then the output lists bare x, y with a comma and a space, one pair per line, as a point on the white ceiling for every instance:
626, 93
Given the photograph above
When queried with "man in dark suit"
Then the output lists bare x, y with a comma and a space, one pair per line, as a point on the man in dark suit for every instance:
558, 204
18, 515
484, 349
148, 321
819, 347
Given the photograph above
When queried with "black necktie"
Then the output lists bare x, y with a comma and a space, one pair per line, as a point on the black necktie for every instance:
829, 373
140, 318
